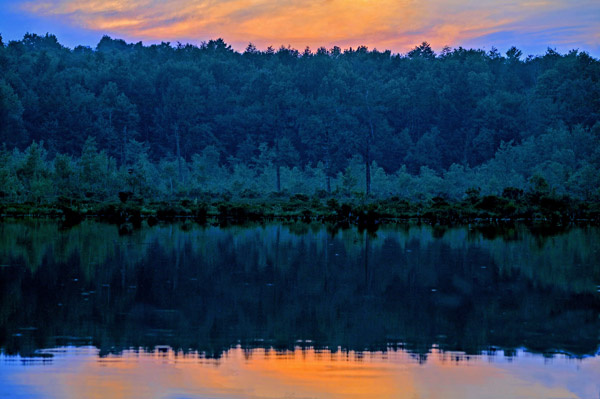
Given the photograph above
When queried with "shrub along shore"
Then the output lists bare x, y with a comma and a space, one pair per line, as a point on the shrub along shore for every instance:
132, 212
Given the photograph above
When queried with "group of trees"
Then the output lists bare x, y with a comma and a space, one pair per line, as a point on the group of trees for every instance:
179, 119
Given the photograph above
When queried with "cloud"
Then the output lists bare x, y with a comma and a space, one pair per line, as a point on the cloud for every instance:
395, 24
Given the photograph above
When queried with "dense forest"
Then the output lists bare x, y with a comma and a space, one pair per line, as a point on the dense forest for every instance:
179, 121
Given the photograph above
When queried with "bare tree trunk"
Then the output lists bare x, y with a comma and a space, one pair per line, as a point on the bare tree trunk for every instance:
178, 153
278, 168
370, 136
327, 162
368, 166
123, 144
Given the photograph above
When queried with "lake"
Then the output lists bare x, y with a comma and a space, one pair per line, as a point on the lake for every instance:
299, 310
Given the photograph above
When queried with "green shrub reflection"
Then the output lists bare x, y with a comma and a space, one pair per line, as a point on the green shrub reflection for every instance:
470, 288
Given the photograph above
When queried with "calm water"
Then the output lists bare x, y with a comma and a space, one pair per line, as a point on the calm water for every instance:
295, 310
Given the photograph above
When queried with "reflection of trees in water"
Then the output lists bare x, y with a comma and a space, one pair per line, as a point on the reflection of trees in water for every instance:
207, 288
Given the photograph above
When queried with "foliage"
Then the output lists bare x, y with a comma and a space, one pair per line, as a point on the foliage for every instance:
182, 121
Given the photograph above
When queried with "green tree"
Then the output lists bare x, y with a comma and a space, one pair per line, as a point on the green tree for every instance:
94, 170
118, 120
64, 176
12, 130
35, 174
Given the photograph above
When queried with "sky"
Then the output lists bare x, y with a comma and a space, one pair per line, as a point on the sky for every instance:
398, 25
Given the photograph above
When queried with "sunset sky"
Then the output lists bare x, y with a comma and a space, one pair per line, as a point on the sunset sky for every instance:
398, 25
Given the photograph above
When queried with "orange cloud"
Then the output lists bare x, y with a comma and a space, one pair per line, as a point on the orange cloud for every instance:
393, 24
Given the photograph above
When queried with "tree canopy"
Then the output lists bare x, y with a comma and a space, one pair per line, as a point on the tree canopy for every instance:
331, 109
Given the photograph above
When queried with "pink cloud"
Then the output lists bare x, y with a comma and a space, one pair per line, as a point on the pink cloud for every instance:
393, 24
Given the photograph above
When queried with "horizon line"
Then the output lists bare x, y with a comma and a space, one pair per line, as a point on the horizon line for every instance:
203, 42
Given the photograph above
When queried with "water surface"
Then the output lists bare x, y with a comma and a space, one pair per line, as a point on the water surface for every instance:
296, 310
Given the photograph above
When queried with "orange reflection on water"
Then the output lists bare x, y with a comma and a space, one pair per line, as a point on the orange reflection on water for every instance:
80, 373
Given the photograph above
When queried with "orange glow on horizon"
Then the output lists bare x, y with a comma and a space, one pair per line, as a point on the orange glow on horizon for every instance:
398, 25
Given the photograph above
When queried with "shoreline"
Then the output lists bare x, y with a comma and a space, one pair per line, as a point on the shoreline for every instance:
367, 214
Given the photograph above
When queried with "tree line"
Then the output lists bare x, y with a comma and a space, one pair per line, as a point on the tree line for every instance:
177, 120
